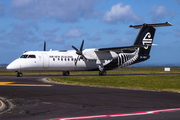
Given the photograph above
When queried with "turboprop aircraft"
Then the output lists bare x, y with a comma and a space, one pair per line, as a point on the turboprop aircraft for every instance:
101, 59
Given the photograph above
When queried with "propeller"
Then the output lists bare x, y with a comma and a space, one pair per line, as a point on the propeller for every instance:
44, 45
79, 52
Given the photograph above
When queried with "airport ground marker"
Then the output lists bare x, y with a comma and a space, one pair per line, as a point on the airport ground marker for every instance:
118, 115
27, 85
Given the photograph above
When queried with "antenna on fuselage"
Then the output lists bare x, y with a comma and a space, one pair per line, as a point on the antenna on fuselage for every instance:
44, 45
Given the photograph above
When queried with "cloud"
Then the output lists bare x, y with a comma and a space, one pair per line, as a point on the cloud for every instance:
34, 25
74, 33
7, 45
95, 37
177, 33
2, 9
111, 31
60, 10
118, 42
19, 34
130, 32
57, 39
20, 3
160, 12
178, 1
121, 13
50, 33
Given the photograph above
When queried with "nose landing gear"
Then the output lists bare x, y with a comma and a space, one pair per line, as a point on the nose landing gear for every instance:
19, 74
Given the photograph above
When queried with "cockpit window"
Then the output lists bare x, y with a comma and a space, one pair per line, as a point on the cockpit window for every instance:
28, 56
31, 56
24, 56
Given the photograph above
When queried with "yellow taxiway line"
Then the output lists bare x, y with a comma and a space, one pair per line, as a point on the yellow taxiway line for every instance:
10, 84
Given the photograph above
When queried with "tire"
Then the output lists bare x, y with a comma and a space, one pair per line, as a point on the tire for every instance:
19, 74
66, 73
102, 73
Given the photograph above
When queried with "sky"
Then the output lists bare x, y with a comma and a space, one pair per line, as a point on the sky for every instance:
26, 24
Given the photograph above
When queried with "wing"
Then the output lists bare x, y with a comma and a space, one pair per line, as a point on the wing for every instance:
120, 49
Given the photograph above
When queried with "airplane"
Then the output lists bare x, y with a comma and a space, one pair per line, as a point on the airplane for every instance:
101, 59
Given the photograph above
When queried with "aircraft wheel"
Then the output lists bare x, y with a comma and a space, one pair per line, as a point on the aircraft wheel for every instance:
66, 73
102, 73
19, 74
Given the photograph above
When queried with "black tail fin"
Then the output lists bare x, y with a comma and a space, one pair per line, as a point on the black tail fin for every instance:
146, 35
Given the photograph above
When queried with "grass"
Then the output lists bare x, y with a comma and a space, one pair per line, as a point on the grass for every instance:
126, 70
150, 82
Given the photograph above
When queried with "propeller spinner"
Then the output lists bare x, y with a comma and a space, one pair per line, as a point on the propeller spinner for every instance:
79, 52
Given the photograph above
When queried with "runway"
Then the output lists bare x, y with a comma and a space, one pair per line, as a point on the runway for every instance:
30, 98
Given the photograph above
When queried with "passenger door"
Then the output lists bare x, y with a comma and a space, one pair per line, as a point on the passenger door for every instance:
45, 60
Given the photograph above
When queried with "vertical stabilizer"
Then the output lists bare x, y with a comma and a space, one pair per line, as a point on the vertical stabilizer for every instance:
146, 36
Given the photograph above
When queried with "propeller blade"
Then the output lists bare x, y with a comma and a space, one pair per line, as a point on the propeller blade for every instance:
75, 48
44, 45
84, 57
79, 52
77, 60
82, 45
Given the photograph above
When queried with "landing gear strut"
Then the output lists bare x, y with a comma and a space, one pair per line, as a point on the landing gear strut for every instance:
19, 74
66, 73
102, 72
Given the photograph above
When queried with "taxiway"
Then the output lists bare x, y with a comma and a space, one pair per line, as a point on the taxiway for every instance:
30, 98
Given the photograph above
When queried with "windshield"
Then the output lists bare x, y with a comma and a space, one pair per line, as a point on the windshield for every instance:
24, 56
28, 56
31, 56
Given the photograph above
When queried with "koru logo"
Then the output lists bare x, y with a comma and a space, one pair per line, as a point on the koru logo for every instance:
147, 40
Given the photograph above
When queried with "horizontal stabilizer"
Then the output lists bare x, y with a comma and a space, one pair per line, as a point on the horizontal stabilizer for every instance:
153, 25
154, 44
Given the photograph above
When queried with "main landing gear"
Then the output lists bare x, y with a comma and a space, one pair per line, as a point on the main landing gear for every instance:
102, 73
66, 73
19, 74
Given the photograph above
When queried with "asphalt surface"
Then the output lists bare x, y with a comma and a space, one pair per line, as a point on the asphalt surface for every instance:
59, 101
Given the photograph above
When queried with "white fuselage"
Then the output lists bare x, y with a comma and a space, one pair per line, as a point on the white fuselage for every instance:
61, 60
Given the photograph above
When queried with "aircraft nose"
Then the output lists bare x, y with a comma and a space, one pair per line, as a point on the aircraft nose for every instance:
12, 66
9, 67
